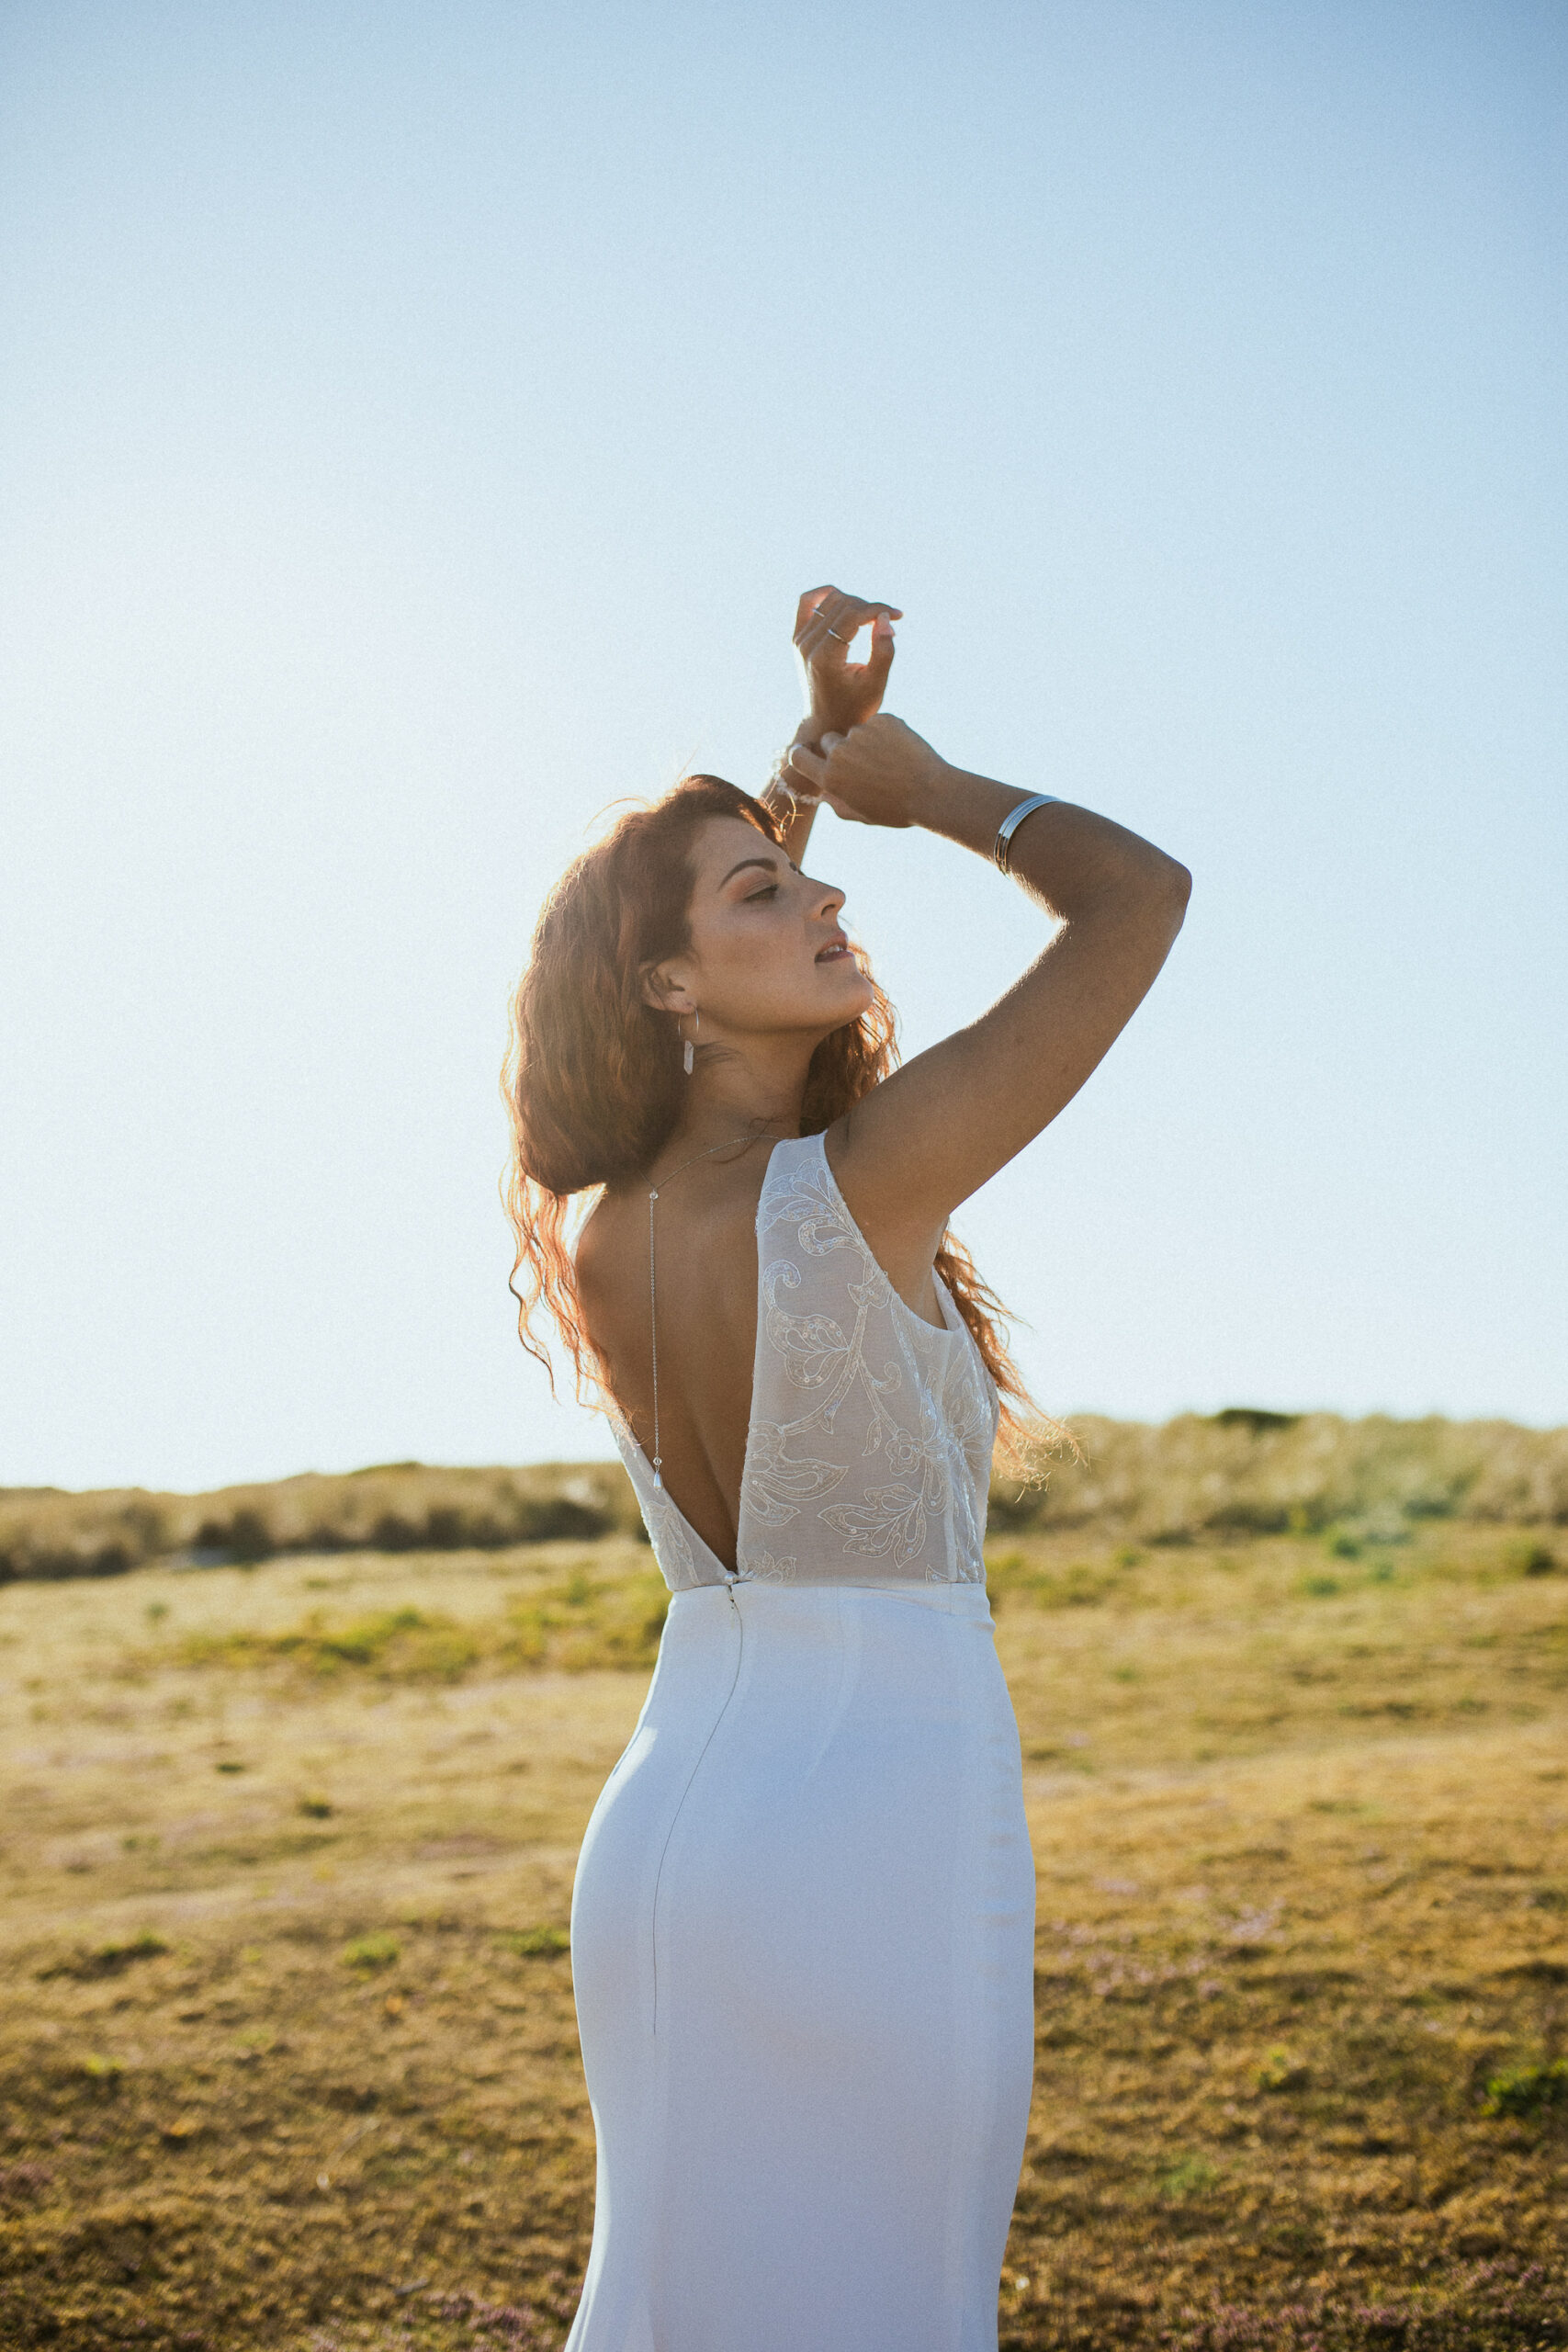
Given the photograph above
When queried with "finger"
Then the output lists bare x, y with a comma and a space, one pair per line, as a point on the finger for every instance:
880, 661
843, 613
827, 637
826, 621
843, 618
805, 611
808, 765
880, 617
821, 655
853, 612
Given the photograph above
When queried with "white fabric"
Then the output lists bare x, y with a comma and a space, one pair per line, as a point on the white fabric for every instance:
803, 1925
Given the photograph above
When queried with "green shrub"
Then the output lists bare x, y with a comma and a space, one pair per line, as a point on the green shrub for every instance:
1526, 2090
108, 1959
537, 1943
1281, 2072
1527, 1558
379, 1950
402, 1644
1255, 1418
246, 1537
1190, 2176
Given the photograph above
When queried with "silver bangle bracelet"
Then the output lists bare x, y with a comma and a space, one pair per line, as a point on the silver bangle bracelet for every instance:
1001, 848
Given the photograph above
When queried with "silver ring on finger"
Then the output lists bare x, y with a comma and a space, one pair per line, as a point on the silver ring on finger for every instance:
834, 634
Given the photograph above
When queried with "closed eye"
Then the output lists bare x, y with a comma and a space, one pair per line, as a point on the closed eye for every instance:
772, 892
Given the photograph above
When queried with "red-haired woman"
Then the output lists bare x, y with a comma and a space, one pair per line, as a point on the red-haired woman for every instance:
803, 1921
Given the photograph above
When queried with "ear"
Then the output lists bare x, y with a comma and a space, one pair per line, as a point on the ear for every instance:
663, 992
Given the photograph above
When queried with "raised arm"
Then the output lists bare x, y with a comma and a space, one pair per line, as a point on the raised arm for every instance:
932, 1133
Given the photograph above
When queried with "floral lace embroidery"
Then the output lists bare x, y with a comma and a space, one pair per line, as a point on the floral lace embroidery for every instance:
777, 1488
671, 1546
665, 1523
763, 1568
831, 1360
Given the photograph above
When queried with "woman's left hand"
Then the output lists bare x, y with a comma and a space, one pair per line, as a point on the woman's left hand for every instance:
841, 694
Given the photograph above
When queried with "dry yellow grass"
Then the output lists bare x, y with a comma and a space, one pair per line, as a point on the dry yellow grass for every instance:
289, 2058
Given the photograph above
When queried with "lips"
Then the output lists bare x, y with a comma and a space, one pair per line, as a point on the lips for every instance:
835, 951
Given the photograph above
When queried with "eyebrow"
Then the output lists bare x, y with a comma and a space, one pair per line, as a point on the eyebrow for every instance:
770, 864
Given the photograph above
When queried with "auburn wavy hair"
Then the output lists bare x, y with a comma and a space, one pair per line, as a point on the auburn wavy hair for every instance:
592, 1076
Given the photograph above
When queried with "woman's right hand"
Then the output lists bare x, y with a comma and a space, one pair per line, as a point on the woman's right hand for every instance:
840, 694
879, 774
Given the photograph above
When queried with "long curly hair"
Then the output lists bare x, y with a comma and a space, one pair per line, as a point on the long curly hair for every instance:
593, 1078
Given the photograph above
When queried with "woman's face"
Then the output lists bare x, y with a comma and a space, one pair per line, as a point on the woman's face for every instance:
767, 953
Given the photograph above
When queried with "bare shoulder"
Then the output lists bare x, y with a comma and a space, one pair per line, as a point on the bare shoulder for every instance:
601, 1247
606, 1290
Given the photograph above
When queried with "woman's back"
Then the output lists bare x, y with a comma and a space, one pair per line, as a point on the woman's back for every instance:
849, 1437
708, 1329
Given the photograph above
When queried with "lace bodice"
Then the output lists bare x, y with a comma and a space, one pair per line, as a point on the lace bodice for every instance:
868, 1456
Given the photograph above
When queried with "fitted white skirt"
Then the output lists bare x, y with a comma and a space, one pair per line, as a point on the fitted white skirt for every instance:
803, 1934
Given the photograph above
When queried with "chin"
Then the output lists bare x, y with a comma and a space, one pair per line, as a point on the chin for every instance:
848, 987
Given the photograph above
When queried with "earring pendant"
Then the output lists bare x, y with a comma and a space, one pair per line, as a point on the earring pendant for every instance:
689, 1050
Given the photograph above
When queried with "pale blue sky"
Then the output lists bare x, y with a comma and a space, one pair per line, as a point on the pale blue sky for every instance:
417, 425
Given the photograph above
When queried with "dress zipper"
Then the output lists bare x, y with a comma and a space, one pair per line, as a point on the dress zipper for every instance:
732, 1577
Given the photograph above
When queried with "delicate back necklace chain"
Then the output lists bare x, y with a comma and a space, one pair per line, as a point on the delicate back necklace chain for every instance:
652, 1290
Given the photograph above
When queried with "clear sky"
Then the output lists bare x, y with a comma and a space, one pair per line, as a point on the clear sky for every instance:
417, 423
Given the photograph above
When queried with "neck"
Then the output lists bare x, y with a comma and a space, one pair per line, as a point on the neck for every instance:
741, 1092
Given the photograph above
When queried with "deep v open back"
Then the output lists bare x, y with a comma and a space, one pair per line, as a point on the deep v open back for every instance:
869, 1447
803, 1923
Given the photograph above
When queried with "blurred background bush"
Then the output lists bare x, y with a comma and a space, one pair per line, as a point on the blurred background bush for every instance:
1244, 1471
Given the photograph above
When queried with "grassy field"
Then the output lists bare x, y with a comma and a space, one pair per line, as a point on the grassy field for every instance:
290, 2056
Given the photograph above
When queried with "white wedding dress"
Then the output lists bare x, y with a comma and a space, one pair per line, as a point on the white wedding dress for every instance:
803, 1925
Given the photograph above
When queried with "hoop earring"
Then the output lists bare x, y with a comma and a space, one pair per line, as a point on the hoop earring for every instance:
689, 1055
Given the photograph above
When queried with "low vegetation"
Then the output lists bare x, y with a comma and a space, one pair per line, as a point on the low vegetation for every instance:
1249, 1472
1240, 1472
401, 1507
290, 2057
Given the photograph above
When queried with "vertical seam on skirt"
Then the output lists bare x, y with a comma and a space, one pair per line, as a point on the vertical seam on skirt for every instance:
674, 1823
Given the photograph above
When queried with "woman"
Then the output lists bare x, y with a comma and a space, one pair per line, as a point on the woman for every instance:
803, 1921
